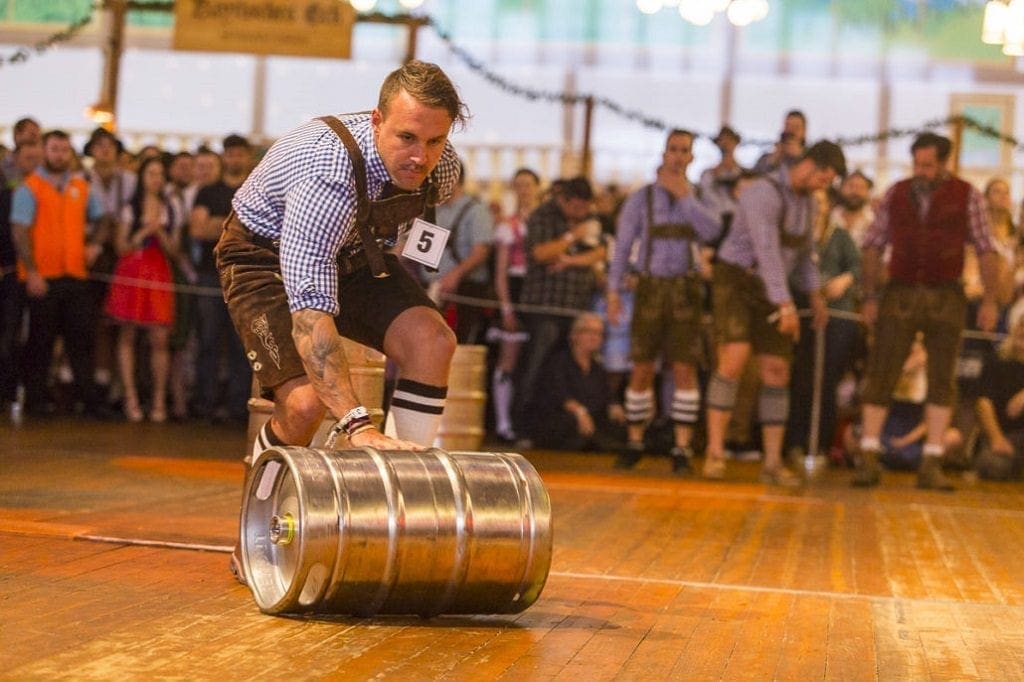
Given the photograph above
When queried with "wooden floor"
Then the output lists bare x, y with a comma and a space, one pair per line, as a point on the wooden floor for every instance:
653, 577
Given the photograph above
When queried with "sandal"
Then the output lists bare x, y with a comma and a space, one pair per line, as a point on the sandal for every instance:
714, 468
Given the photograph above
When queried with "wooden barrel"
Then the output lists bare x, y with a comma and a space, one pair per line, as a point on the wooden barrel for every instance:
462, 422
394, 532
366, 368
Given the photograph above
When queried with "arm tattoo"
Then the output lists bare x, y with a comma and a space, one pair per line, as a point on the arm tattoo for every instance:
319, 345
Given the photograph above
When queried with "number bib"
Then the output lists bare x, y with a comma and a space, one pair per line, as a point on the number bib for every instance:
426, 243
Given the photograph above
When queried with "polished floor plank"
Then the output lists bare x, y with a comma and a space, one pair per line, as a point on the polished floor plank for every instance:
653, 576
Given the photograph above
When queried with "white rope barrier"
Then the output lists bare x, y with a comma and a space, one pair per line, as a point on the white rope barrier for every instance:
471, 301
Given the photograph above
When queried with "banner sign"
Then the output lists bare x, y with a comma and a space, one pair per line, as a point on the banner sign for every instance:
304, 28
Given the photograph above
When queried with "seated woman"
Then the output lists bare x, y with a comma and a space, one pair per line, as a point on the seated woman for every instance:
1000, 406
573, 396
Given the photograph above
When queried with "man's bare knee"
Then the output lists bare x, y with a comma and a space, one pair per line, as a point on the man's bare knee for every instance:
298, 411
430, 348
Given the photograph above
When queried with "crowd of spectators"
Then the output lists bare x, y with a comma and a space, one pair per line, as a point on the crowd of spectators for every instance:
110, 305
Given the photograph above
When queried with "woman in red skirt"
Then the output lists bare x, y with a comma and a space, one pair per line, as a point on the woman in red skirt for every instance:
142, 295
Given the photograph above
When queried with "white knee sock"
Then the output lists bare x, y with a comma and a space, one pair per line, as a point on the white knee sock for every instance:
265, 439
416, 409
639, 406
685, 406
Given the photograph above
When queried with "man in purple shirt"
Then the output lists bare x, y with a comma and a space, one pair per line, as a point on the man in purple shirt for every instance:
770, 242
667, 223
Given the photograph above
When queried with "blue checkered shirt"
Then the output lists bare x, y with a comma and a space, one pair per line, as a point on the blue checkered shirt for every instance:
303, 194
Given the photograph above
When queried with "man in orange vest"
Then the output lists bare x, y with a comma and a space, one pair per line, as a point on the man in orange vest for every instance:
50, 213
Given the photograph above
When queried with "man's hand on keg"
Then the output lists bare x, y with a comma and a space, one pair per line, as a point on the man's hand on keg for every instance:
375, 439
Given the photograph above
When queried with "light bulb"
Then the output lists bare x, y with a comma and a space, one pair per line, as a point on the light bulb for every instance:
648, 6
718, 5
363, 5
696, 12
740, 12
758, 9
1013, 34
995, 22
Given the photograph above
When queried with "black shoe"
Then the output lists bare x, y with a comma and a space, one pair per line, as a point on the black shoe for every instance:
681, 460
629, 456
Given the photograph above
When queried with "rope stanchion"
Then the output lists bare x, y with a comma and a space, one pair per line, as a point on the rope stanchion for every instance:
810, 458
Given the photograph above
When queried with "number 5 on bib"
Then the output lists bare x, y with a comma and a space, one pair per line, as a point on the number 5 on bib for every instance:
426, 243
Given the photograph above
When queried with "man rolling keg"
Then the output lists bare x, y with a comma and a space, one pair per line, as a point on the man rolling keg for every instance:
303, 261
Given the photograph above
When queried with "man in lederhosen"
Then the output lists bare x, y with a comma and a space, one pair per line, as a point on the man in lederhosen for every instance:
769, 245
669, 224
302, 262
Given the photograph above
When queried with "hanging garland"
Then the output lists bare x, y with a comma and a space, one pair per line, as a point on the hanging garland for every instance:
533, 95
22, 54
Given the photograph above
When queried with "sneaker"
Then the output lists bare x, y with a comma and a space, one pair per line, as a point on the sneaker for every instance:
868, 472
714, 468
681, 459
629, 456
780, 476
235, 565
930, 476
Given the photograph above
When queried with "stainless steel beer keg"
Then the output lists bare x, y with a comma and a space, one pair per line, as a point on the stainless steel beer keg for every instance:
394, 532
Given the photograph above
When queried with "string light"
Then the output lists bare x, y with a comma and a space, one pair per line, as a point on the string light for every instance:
703, 12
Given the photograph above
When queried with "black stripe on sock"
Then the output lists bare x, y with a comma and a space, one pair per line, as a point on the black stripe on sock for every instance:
416, 407
425, 390
269, 436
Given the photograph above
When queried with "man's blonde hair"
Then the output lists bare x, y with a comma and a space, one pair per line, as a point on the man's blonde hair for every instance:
428, 85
